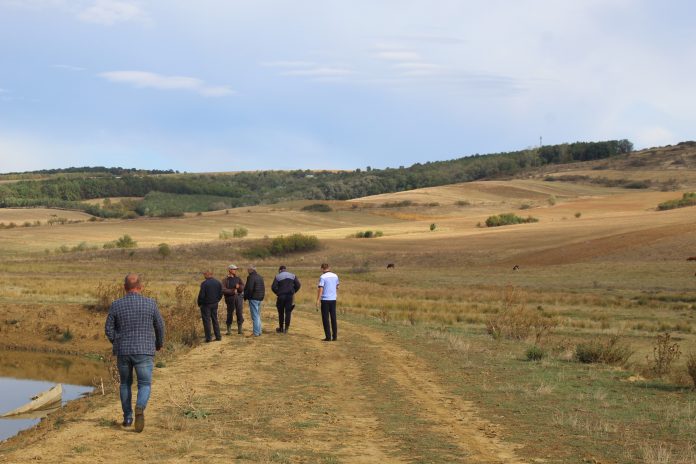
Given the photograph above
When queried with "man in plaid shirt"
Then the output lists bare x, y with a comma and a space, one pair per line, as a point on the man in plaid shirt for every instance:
135, 328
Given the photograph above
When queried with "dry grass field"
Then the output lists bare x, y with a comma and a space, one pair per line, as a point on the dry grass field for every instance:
416, 375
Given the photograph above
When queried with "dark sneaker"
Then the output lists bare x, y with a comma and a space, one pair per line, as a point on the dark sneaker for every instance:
279, 330
139, 420
127, 422
325, 339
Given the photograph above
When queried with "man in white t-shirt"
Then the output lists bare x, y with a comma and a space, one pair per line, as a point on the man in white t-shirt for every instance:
326, 294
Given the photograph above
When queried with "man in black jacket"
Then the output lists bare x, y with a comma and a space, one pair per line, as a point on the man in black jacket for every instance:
285, 285
209, 296
254, 291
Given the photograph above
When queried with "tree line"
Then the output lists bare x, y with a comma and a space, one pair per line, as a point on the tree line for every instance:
251, 188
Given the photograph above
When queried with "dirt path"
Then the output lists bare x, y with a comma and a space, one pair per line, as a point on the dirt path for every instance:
284, 398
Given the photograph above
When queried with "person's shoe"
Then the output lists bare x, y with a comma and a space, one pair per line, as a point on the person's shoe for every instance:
127, 422
333, 339
239, 330
207, 340
325, 339
229, 330
218, 339
279, 329
139, 419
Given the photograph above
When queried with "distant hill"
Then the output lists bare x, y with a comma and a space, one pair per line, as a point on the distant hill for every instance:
166, 193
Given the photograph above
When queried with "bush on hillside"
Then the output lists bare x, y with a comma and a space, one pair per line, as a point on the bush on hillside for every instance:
688, 199
508, 219
318, 208
607, 352
368, 234
282, 245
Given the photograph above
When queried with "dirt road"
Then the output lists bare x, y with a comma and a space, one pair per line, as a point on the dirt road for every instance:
283, 398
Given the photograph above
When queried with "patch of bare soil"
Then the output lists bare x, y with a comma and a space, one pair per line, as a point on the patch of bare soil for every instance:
280, 398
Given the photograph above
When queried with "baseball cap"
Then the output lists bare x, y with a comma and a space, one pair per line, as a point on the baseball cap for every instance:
232, 266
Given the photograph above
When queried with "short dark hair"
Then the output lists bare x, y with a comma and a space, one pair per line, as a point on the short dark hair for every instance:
132, 281
324, 266
282, 268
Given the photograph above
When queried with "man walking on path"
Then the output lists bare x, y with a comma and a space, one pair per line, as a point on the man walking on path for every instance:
285, 285
254, 291
135, 328
209, 296
326, 294
233, 289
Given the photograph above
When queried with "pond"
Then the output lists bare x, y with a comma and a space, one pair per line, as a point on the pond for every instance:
23, 375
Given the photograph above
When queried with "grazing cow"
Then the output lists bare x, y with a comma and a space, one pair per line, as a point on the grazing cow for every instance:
691, 258
391, 266
515, 267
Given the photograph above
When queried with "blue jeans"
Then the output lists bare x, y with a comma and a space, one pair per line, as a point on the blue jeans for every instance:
143, 364
255, 310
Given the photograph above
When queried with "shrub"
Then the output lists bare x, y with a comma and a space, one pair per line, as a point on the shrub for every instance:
122, 242
517, 322
462, 203
552, 200
106, 294
535, 353
164, 250
318, 208
225, 235
691, 368
525, 206
688, 199
664, 354
183, 319
508, 219
609, 352
66, 336
282, 245
398, 204
433, 226
578, 214
240, 232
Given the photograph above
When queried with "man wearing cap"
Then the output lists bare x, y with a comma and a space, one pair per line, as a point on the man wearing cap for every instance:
254, 292
233, 289
285, 285
209, 296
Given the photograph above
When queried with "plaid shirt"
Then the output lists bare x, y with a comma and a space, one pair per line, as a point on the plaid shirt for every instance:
134, 325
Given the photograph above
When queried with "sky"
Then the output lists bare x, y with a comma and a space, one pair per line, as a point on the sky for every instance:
228, 85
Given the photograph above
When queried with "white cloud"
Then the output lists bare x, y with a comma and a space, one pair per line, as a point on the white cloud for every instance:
109, 12
318, 72
144, 79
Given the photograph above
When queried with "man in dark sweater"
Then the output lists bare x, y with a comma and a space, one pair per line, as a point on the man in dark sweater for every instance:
285, 285
254, 292
208, 298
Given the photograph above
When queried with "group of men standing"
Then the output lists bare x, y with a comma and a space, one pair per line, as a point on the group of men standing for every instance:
136, 329
285, 285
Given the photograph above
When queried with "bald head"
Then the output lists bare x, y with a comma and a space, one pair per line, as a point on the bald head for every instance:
132, 283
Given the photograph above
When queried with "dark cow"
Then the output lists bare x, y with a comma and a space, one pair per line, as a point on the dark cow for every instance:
391, 266
515, 267
691, 258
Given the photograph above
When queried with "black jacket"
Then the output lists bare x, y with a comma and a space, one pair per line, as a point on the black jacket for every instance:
210, 293
232, 286
254, 288
285, 283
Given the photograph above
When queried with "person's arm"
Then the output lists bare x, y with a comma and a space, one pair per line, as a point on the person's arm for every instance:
274, 286
158, 324
320, 291
218, 287
110, 327
201, 294
296, 283
225, 289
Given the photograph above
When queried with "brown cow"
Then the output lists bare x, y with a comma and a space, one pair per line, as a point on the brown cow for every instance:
391, 266
691, 258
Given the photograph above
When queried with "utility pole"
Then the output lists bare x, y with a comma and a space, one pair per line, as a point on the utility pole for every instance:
540, 144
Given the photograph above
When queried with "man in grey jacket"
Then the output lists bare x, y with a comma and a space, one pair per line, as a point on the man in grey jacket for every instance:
285, 285
135, 328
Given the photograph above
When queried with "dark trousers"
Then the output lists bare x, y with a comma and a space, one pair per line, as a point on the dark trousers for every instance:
284, 306
235, 305
328, 310
209, 313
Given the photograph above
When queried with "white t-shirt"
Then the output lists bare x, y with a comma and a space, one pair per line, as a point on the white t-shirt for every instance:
329, 281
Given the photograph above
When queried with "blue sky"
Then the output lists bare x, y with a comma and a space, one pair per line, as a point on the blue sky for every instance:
213, 85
